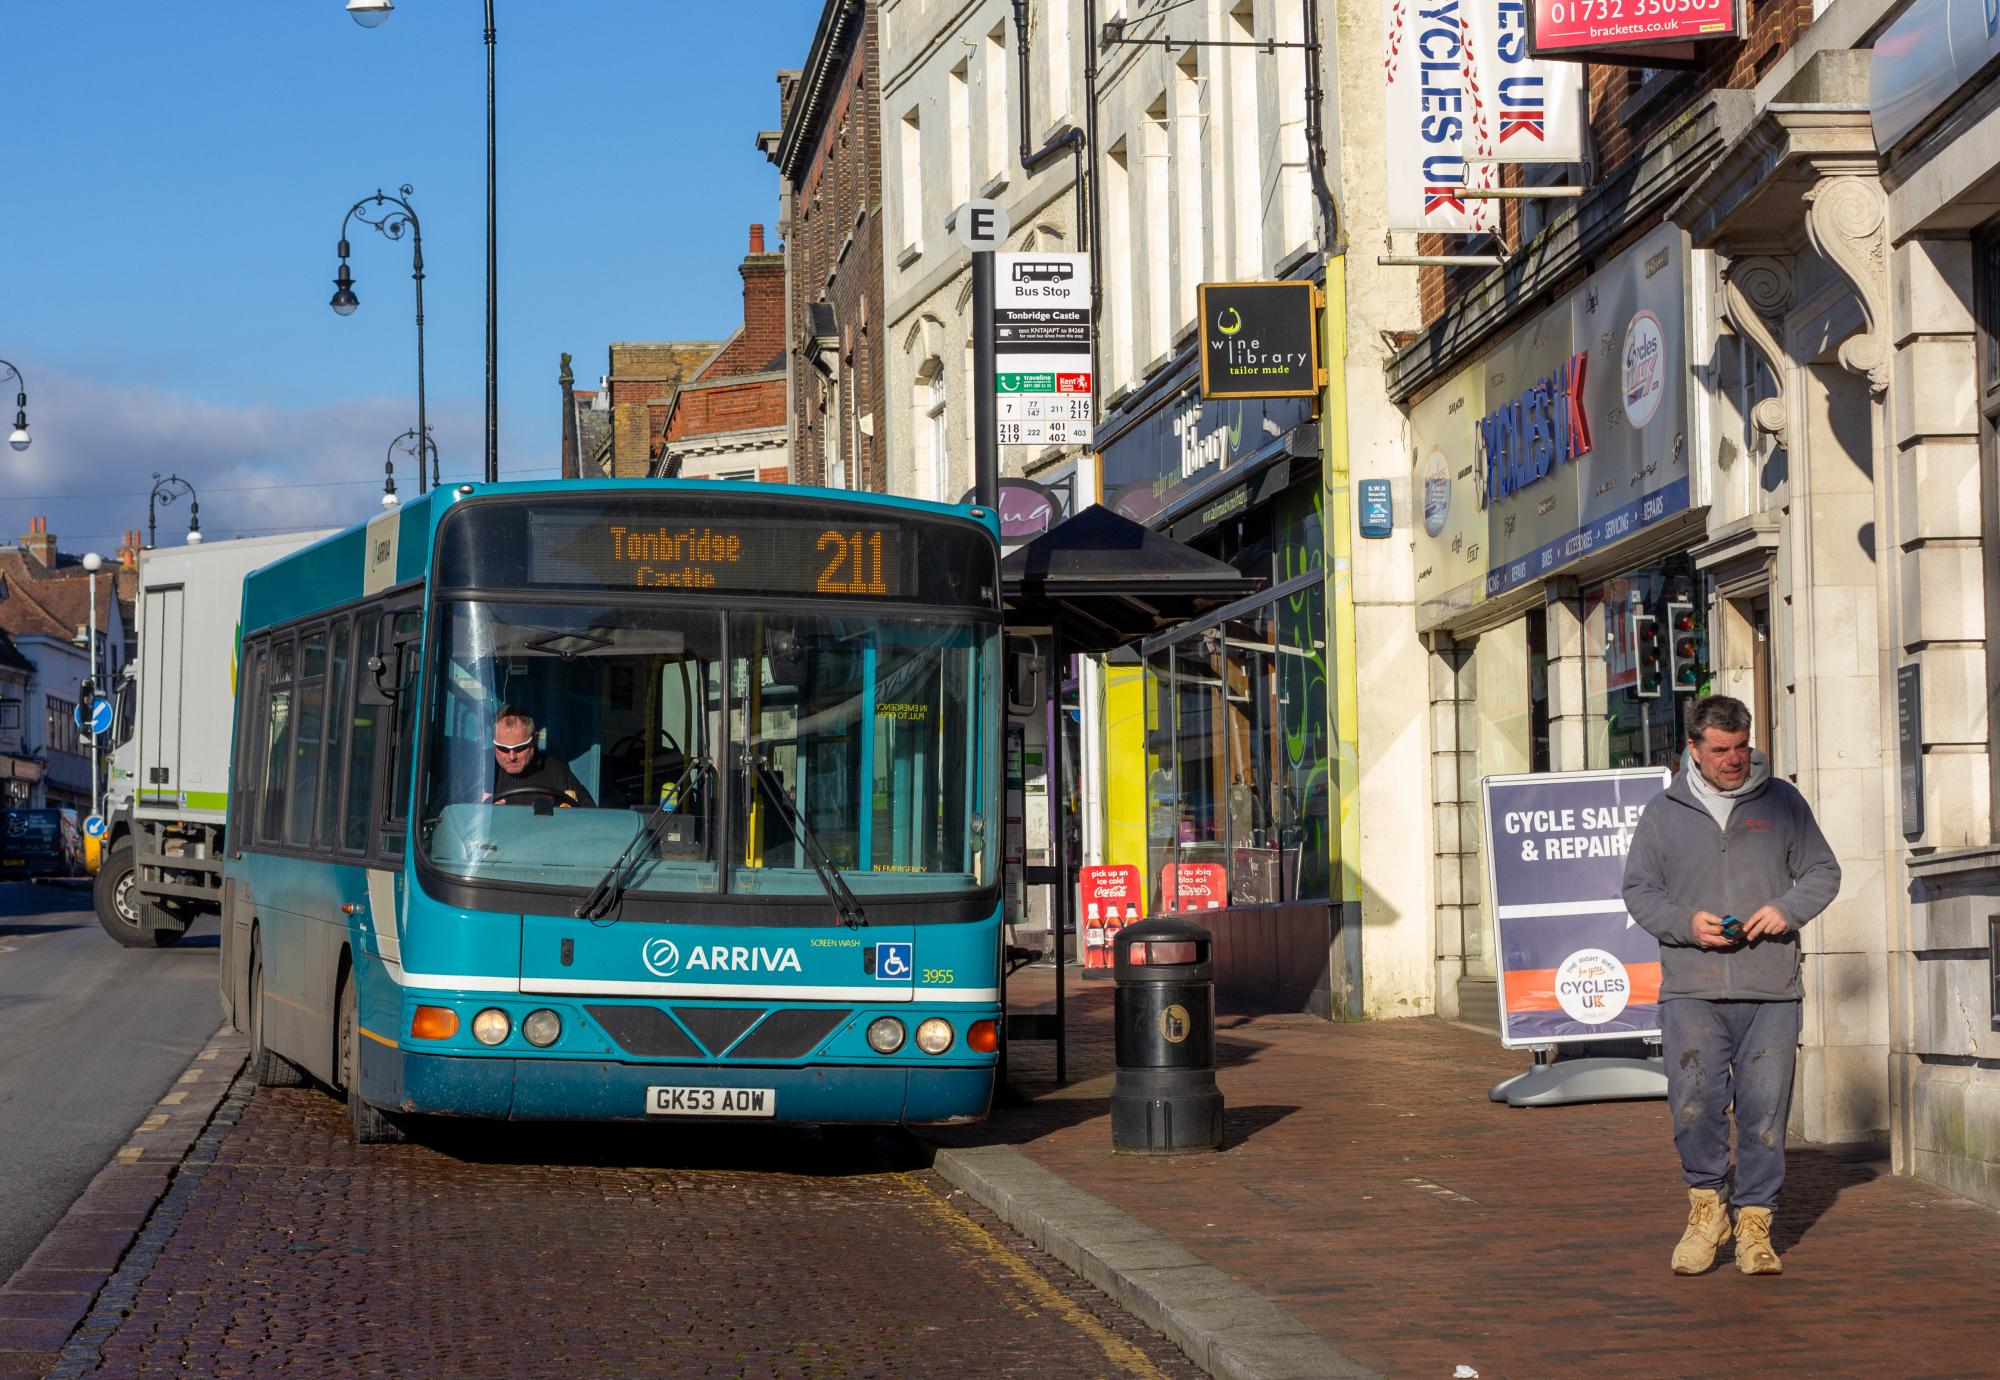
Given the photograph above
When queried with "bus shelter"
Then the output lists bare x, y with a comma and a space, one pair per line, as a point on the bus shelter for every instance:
1092, 584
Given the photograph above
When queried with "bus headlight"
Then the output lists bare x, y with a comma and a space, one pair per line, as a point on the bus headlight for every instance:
934, 1035
542, 1028
885, 1034
490, 1026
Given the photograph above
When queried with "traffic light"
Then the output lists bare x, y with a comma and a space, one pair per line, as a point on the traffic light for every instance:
86, 692
1687, 647
1646, 656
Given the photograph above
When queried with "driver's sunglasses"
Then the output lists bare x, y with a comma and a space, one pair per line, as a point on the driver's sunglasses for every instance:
512, 749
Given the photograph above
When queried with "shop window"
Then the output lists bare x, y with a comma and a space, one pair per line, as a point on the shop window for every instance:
1630, 722
1237, 755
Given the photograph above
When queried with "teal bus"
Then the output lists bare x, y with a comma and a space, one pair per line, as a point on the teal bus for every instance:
623, 800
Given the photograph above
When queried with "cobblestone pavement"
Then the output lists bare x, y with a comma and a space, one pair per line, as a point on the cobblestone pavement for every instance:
1368, 1186
506, 1251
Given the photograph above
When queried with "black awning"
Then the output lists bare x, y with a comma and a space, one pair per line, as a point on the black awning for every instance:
1107, 580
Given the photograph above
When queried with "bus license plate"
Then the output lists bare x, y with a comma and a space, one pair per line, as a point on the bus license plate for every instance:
711, 1102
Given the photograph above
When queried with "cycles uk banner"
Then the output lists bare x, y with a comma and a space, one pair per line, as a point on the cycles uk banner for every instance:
1573, 965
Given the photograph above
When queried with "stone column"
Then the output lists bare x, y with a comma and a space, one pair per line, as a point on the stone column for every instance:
1569, 663
1455, 814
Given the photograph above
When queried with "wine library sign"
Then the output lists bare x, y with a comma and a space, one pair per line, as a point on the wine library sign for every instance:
1565, 439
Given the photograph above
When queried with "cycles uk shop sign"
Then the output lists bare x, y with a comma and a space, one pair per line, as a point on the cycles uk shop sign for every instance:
1564, 27
1570, 436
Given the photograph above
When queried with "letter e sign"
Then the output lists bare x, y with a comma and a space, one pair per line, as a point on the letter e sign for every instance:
981, 225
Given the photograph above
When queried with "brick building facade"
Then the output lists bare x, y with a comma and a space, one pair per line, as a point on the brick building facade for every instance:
828, 155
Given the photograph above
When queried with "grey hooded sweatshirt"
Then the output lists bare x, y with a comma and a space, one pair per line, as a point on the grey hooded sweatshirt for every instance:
1771, 852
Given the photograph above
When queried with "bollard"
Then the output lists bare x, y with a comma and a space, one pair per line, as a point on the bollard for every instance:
1163, 1098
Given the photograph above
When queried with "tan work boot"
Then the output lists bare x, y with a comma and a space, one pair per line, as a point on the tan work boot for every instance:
1754, 1255
1708, 1227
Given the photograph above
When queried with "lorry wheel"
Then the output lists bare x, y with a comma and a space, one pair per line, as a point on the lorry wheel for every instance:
372, 1125
123, 911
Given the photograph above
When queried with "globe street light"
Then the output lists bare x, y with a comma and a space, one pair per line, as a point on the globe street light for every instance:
393, 224
165, 491
407, 443
19, 439
372, 14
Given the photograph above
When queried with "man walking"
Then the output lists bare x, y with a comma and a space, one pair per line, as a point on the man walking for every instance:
1725, 867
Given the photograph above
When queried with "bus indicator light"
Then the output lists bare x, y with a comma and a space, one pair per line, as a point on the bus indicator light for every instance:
433, 1023
983, 1037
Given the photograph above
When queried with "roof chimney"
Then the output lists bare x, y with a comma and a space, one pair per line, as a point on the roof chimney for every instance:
756, 239
37, 542
128, 554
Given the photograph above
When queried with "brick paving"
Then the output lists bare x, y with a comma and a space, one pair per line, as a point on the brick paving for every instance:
1369, 1187
284, 1249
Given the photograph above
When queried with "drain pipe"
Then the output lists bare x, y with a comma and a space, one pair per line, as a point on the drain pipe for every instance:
1315, 133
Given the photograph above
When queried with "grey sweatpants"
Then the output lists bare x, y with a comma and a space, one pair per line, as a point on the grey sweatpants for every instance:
1723, 1051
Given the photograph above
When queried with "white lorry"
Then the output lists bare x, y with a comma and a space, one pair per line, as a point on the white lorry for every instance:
168, 793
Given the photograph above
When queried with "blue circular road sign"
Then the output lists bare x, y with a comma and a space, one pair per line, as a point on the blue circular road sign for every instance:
100, 717
94, 826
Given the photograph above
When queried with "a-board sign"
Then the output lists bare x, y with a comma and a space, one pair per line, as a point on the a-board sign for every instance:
1258, 340
1108, 898
1572, 964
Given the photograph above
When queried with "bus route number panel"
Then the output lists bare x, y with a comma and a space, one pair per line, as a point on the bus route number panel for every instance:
829, 557
672, 1101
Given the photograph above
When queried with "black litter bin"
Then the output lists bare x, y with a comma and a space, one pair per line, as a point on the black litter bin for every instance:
1163, 1098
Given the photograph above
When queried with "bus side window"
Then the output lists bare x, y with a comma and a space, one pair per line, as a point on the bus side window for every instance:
333, 771
276, 745
405, 636
308, 737
250, 708
365, 732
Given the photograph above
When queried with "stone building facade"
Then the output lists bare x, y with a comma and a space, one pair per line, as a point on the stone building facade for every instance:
1818, 192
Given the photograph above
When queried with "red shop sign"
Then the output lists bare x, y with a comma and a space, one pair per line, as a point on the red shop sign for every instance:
1666, 30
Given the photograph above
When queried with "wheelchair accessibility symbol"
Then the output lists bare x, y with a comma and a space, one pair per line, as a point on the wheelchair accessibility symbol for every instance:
894, 962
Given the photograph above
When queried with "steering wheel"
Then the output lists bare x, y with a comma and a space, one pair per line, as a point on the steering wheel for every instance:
634, 744
502, 797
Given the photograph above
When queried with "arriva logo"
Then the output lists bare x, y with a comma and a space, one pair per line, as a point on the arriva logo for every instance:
663, 959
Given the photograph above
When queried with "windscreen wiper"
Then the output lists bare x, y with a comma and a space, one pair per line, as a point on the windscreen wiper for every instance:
837, 890
610, 888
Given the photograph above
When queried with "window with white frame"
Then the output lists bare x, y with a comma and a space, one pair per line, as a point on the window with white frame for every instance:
1245, 147
1119, 352
994, 79
911, 137
1189, 219
1053, 42
957, 131
1157, 178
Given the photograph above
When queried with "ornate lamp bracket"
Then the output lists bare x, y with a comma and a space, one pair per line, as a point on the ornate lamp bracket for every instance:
1755, 292
1846, 220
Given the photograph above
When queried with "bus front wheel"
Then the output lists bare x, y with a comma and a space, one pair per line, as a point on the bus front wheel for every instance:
372, 1125
126, 915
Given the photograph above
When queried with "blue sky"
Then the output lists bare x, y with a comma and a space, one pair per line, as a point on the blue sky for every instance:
176, 176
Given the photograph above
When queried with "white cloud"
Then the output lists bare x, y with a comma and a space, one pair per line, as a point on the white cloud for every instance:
255, 469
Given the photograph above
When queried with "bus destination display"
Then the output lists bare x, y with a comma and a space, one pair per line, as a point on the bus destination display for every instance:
783, 556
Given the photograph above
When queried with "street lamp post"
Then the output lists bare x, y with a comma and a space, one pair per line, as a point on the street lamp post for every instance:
406, 443
393, 224
165, 491
19, 438
372, 14
87, 703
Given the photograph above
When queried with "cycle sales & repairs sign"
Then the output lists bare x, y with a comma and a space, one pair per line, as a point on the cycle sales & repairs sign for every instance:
1572, 964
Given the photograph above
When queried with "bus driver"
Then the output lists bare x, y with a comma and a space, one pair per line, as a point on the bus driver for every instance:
525, 775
